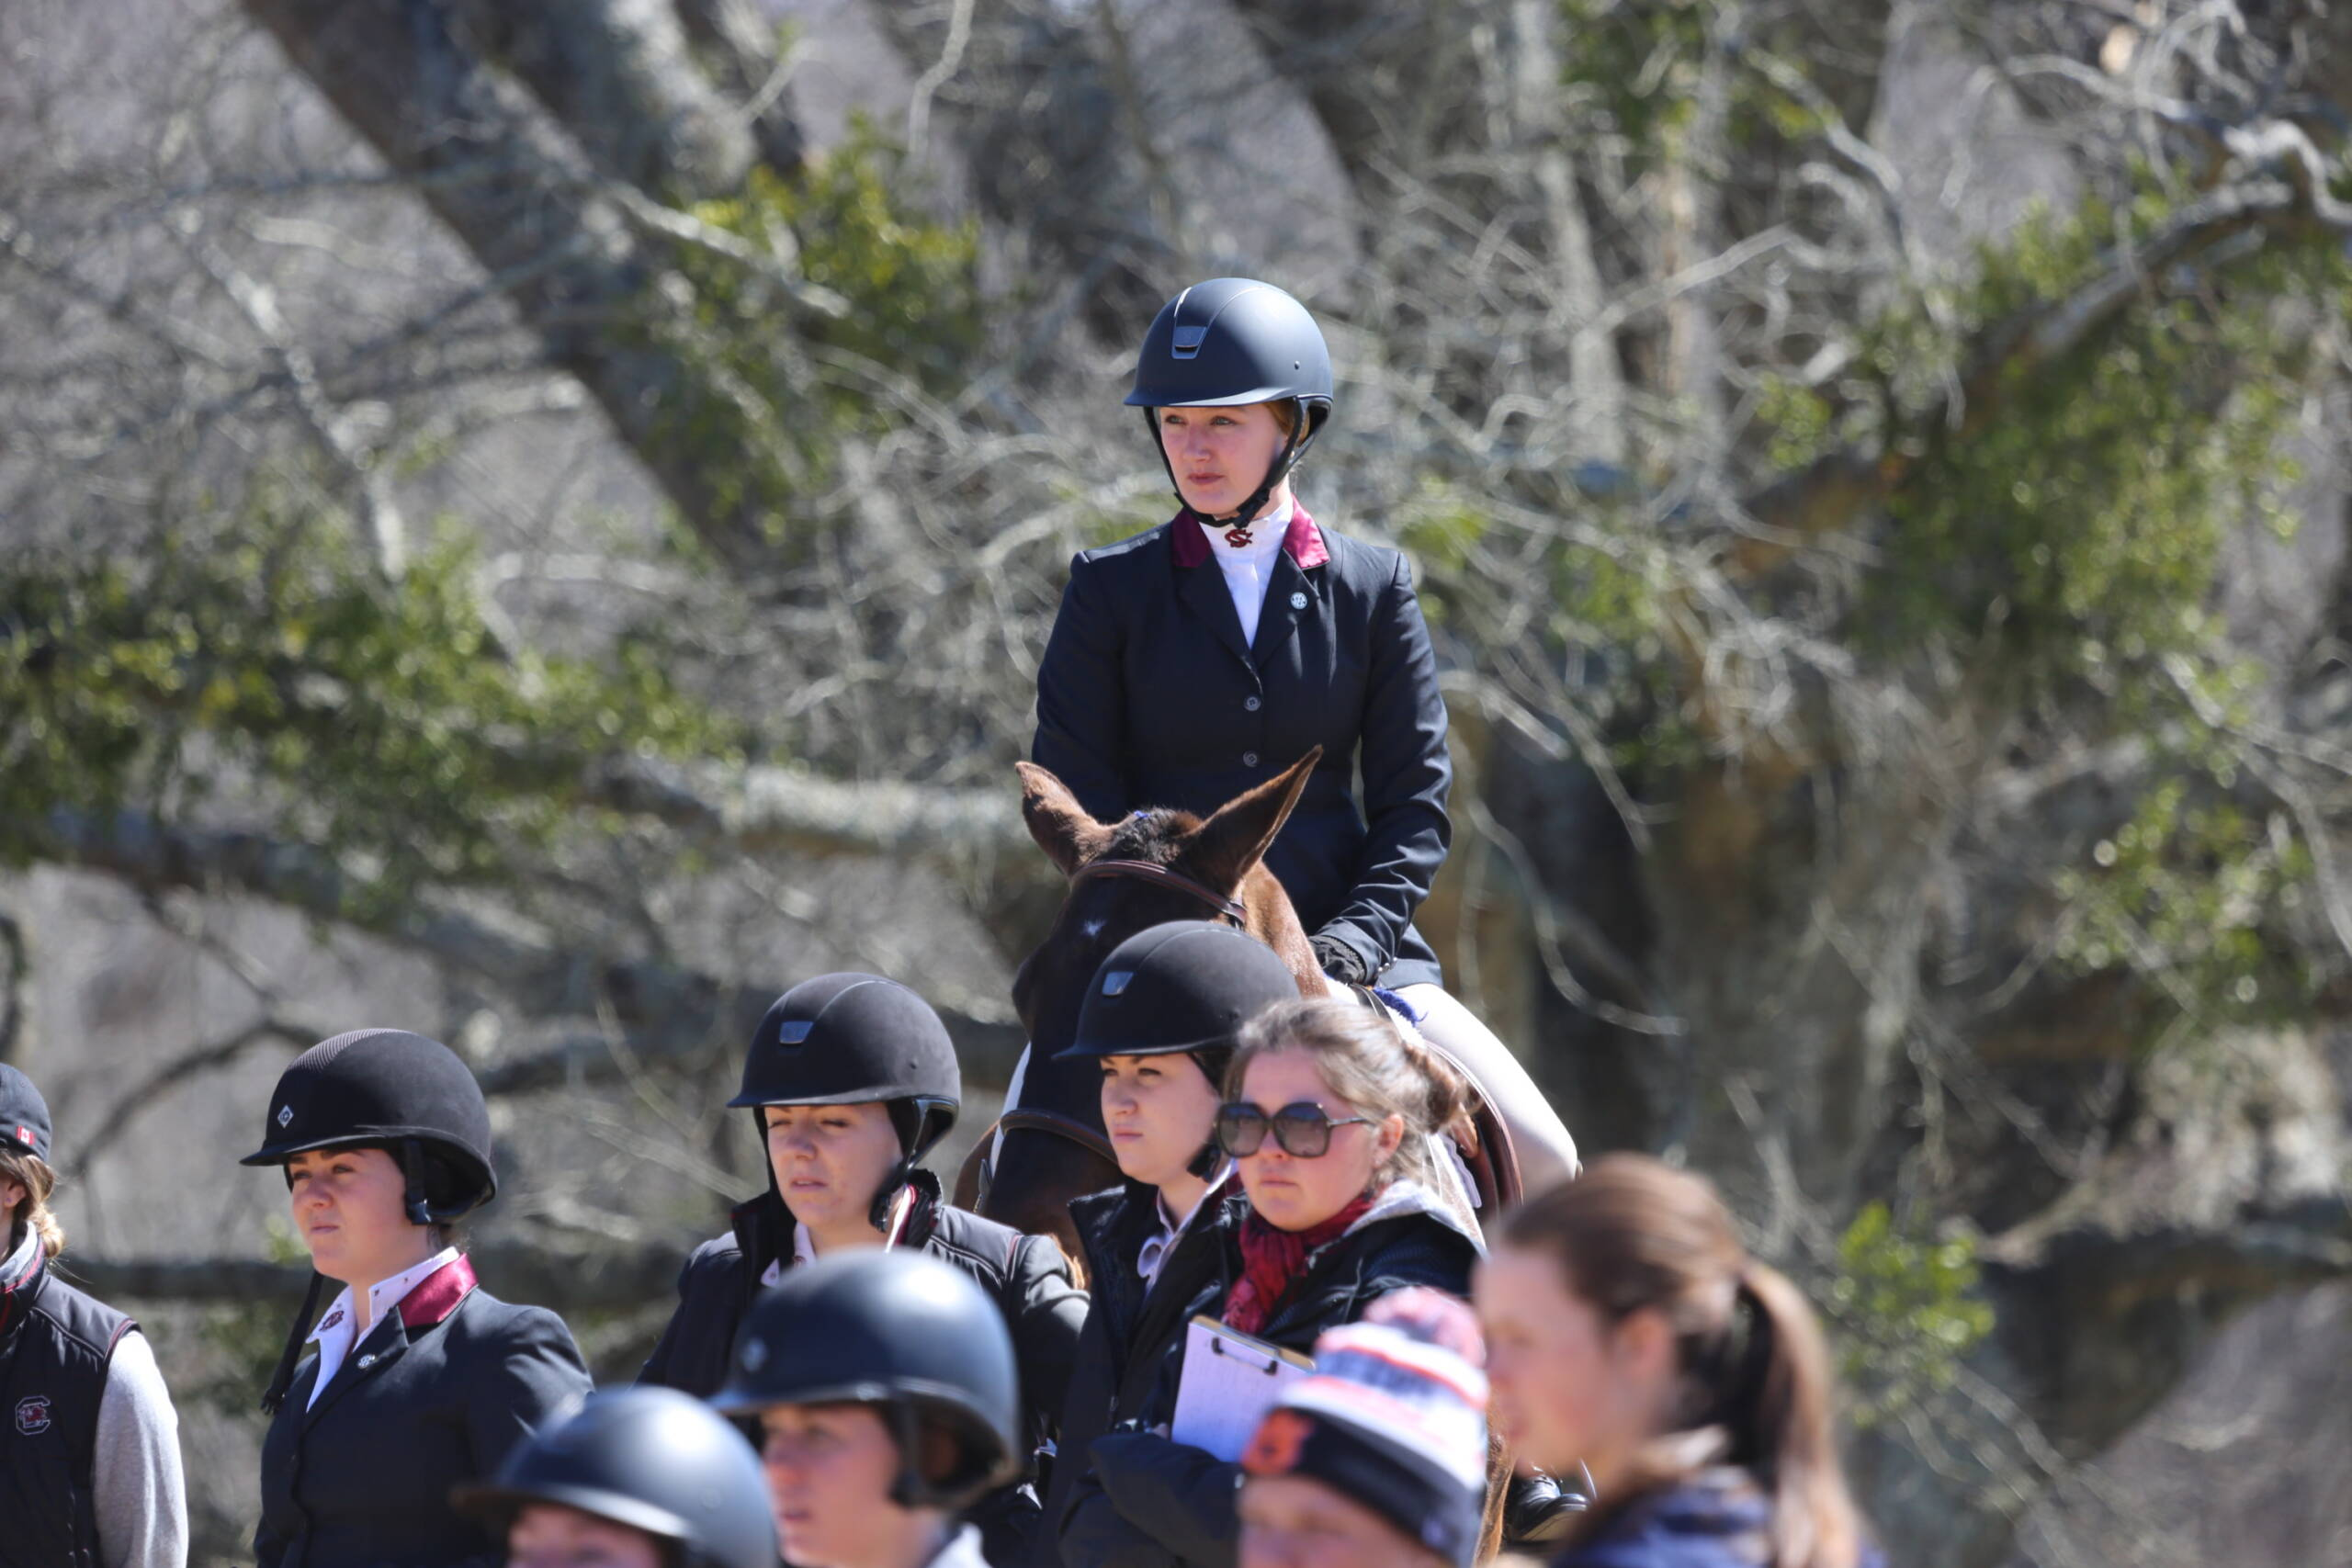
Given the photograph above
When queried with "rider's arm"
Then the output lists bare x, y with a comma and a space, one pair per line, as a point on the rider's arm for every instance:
1406, 777
1081, 698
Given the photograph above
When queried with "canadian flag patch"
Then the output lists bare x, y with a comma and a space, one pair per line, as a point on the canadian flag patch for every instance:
32, 1415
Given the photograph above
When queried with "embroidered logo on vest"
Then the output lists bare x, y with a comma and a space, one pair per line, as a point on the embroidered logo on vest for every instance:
32, 1415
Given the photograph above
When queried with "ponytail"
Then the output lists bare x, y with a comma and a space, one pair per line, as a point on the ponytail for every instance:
1632, 1234
1781, 1424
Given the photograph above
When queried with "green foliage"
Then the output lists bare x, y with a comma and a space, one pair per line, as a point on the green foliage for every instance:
2191, 895
2078, 528
1638, 60
851, 220
380, 721
1906, 1311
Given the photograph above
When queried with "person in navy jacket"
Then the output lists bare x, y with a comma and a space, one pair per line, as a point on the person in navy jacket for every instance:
1203, 657
1629, 1331
420, 1381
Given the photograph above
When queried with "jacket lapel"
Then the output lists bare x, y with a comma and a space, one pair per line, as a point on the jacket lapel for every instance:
1202, 589
1293, 587
385, 1342
1290, 598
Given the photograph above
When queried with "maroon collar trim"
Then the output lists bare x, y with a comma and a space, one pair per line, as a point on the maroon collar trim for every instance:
1303, 541
437, 1295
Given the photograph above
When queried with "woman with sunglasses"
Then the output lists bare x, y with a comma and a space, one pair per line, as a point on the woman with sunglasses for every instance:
1335, 1121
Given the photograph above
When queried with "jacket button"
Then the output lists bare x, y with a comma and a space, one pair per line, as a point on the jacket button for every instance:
367, 1362
1250, 704
1249, 759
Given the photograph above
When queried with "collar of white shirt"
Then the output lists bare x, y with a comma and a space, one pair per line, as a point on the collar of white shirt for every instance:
1157, 1246
339, 1329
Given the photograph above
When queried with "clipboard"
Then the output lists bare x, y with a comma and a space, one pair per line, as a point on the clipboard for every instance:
1229, 1382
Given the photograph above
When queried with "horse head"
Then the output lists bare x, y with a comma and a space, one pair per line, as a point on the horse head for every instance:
1157, 865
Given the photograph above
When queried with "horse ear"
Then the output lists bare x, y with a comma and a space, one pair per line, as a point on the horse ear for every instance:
1238, 837
1060, 825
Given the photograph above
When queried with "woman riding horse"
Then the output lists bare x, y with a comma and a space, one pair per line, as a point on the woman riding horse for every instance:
1199, 659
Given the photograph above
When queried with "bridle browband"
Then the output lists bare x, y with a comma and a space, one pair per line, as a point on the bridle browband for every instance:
1221, 907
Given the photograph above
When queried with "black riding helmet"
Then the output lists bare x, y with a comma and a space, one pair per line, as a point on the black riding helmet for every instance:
389, 1090
1188, 986
899, 1329
1231, 341
653, 1459
850, 1039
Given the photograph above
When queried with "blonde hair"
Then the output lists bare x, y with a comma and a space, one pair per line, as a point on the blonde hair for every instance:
1371, 1065
39, 1181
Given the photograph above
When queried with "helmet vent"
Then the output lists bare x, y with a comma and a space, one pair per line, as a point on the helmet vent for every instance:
1187, 341
795, 1031
1116, 982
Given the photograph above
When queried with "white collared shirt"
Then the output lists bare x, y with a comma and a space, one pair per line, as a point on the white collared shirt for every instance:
339, 1329
1248, 569
1161, 1242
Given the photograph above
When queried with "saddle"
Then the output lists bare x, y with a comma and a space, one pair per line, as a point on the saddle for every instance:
1485, 1152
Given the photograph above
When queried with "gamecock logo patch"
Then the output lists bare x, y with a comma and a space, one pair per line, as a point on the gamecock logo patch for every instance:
32, 1414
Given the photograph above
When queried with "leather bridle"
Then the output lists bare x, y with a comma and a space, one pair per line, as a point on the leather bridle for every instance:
1220, 906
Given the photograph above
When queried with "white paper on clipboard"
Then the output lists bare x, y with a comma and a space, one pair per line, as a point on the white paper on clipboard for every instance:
1228, 1383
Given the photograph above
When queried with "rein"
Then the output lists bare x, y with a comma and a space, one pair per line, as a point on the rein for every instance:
1223, 907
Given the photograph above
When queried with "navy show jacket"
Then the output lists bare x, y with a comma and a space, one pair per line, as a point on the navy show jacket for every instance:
1149, 696
431, 1397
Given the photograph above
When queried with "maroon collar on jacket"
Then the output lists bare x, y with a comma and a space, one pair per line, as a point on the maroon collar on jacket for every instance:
1303, 541
438, 1294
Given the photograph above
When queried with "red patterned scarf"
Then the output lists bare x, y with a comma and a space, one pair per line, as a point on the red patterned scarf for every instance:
1272, 1258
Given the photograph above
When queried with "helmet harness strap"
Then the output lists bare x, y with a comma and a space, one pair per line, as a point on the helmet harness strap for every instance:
1302, 435
420, 1207
282, 1379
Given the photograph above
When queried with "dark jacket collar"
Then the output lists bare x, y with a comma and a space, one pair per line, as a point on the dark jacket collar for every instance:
763, 1225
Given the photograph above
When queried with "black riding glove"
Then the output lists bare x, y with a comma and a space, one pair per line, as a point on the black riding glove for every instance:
1339, 960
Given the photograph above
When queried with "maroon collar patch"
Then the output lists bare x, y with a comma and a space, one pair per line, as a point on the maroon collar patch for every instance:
1302, 541
437, 1295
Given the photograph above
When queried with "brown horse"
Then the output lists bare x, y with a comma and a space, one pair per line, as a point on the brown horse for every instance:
1050, 1146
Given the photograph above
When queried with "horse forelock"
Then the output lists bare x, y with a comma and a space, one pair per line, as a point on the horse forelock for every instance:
1158, 836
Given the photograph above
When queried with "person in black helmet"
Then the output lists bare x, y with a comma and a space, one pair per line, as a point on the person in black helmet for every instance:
90, 1455
638, 1478
1203, 657
850, 1079
420, 1381
887, 1399
1160, 1017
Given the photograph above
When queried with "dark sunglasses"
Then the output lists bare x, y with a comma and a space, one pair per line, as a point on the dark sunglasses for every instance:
1302, 1129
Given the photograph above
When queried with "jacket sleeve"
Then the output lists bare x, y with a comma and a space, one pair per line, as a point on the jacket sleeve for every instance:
1047, 1312
1093, 1534
137, 1489
1179, 1496
661, 1367
1081, 698
539, 1378
1406, 774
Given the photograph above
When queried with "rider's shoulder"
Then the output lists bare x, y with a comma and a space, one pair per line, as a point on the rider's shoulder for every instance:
1151, 544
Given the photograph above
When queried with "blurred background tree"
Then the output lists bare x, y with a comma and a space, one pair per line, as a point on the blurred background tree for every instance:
537, 523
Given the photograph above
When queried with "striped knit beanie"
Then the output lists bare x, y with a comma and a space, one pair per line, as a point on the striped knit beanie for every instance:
1395, 1418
